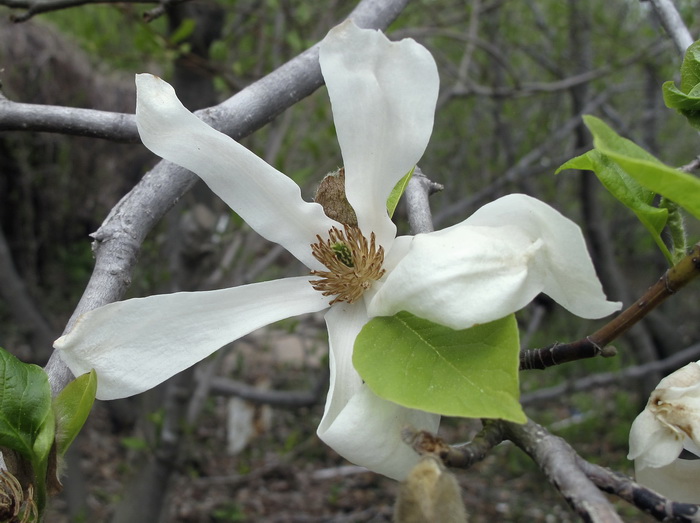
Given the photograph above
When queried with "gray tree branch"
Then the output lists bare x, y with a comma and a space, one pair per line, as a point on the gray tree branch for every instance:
673, 24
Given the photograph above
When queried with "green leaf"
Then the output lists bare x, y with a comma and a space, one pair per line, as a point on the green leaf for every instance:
25, 408
71, 407
397, 191
627, 190
471, 373
686, 100
677, 186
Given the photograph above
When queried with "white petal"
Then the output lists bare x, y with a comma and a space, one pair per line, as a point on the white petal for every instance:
570, 276
266, 199
344, 322
383, 96
357, 424
677, 481
651, 443
462, 276
136, 344
368, 432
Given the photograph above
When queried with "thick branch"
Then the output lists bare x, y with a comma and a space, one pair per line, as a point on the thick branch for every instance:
559, 462
118, 127
594, 345
118, 240
417, 193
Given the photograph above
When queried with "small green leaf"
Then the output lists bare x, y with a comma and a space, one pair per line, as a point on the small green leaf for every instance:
686, 100
627, 190
25, 408
471, 373
397, 191
71, 407
677, 186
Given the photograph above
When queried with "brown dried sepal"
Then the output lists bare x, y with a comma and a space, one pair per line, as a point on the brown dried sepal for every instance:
331, 196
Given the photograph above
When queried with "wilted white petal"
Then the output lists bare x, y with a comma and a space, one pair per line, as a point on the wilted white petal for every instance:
266, 199
357, 424
570, 277
669, 422
652, 444
462, 276
383, 96
136, 344
677, 481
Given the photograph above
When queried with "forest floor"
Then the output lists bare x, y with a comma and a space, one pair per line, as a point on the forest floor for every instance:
285, 474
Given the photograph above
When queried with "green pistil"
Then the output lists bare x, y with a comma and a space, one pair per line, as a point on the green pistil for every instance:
343, 253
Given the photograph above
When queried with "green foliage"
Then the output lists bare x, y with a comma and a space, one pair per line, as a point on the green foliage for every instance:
25, 415
72, 407
26, 418
471, 373
623, 187
686, 100
103, 30
629, 173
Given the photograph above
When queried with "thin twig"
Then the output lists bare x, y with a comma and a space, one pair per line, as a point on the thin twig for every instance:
595, 345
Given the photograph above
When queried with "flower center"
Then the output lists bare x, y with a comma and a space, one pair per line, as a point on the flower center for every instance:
352, 261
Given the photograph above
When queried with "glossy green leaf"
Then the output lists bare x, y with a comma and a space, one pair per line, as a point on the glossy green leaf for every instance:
471, 373
627, 190
72, 407
25, 408
397, 191
677, 186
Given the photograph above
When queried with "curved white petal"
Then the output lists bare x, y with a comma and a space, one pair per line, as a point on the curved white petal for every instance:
136, 344
462, 276
368, 432
570, 277
266, 199
357, 424
383, 96
677, 481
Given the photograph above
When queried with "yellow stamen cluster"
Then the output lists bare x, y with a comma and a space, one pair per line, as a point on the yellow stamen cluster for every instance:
352, 261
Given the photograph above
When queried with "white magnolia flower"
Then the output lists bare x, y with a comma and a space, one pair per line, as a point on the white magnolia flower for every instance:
383, 96
670, 424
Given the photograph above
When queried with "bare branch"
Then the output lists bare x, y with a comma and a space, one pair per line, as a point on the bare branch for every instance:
647, 500
673, 24
559, 462
594, 345
118, 240
457, 456
118, 127
34, 8
603, 379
